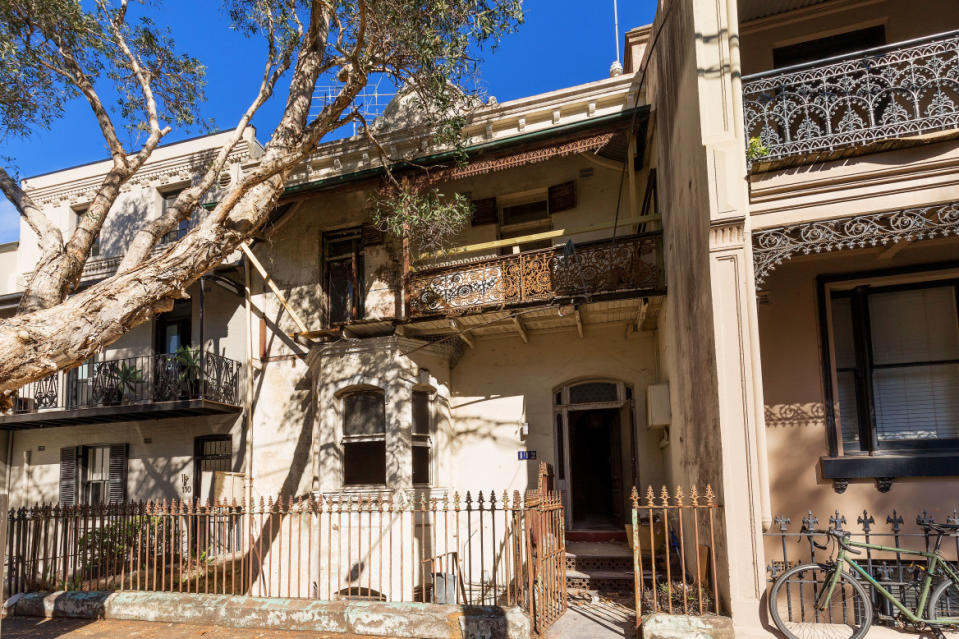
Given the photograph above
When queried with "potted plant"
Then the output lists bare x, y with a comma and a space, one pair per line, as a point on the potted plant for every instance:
188, 362
128, 376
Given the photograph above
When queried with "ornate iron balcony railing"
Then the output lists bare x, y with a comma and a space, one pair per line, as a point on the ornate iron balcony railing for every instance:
888, 92
187, 375
629, 264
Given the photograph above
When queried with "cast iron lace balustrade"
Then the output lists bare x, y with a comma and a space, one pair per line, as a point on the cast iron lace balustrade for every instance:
629, 264
771, 247
135, 381
883, 93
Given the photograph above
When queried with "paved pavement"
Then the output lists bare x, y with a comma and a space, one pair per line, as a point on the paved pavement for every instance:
35, 628
603, 619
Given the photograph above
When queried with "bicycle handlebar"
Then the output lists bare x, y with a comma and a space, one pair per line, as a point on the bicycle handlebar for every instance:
841, 537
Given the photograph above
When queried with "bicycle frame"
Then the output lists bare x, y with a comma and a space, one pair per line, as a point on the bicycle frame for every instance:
933, 561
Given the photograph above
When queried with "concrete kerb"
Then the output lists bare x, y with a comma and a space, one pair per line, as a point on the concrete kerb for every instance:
371, 619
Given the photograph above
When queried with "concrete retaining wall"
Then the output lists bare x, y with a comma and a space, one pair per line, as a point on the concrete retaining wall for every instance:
347, 618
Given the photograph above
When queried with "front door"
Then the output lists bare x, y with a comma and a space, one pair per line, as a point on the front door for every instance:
595, 470
595, 453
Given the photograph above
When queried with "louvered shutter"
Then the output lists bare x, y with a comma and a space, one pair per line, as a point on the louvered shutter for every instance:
371, 235
562, 197
68, 476
484, 211
118, 473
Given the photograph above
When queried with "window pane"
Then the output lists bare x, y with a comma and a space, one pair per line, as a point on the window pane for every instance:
525, 212
917, 402
914, 326
592, 392
842, 333
364, 463
364, 413
421, 412
848, 411
340, 291
98, 463
421, 464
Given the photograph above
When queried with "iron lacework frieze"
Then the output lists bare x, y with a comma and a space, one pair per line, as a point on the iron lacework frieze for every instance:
604, 267
771, 247
883, 93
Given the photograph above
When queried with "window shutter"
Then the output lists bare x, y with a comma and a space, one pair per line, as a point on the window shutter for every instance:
484, 211
562, 197
118, 473
68, 476
371, 235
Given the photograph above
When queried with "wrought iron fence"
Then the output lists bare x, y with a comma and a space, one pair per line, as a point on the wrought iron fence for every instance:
673, 540
790, 543
476, 549
185, 375
593, 268
888, 92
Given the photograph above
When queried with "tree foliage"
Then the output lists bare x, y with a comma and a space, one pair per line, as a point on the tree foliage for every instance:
52, 51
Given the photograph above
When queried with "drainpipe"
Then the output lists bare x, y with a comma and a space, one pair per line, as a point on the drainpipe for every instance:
249, 383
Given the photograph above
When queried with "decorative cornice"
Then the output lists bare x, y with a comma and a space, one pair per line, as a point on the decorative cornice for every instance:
726, 234
772, 247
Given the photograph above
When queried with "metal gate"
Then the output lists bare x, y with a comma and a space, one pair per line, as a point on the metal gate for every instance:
546, 548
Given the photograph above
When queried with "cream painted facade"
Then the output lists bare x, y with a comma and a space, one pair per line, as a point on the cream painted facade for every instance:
515, 365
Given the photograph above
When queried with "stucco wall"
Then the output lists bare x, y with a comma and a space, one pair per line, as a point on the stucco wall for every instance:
902, 20
503, 382
794, 395
154, 469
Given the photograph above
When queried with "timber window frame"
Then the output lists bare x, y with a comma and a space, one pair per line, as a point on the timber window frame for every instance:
344, 275
183, 226
93, 474
421, 444
363, 437
886, 385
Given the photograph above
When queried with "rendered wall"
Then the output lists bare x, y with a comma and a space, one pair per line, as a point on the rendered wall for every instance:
154, 469
793, 390
902, 20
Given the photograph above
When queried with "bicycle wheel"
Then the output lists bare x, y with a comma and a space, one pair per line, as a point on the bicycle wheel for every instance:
944, 603
792, 605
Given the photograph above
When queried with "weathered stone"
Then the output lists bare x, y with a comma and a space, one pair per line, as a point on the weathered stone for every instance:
660, 626
347, 618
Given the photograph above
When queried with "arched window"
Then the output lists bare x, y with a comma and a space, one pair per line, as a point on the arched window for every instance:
364, 438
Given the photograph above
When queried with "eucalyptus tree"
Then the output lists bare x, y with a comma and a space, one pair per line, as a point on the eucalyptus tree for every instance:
52, 51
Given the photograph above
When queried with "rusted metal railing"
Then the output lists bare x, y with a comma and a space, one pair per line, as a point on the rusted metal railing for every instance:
478, 549
673, 540
630, 264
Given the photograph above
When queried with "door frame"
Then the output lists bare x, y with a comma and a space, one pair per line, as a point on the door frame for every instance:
625, 399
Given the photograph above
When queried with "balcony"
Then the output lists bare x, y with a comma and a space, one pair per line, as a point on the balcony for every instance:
148, 387
604, 269
880, 94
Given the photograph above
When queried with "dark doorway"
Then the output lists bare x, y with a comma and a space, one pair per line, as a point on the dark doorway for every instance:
596, 469
211, 453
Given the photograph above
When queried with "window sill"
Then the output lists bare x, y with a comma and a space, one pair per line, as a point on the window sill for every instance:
884, 466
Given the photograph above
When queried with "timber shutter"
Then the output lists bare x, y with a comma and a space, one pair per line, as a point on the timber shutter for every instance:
118, 473
68, 476
562, 197
484, 211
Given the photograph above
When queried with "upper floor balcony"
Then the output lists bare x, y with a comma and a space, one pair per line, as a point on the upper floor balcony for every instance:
616, 267
155, 386
830, 106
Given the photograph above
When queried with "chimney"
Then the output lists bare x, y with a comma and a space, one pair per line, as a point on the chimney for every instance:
637, 40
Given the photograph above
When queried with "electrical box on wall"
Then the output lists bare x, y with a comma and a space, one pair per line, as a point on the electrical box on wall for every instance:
657, 406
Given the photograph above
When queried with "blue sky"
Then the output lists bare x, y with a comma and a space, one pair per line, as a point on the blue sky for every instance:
562, 43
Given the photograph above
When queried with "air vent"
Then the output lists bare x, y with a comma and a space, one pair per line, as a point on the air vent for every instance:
224, 180
585, 173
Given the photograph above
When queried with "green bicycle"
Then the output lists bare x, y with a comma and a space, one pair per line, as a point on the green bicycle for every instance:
824, 600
